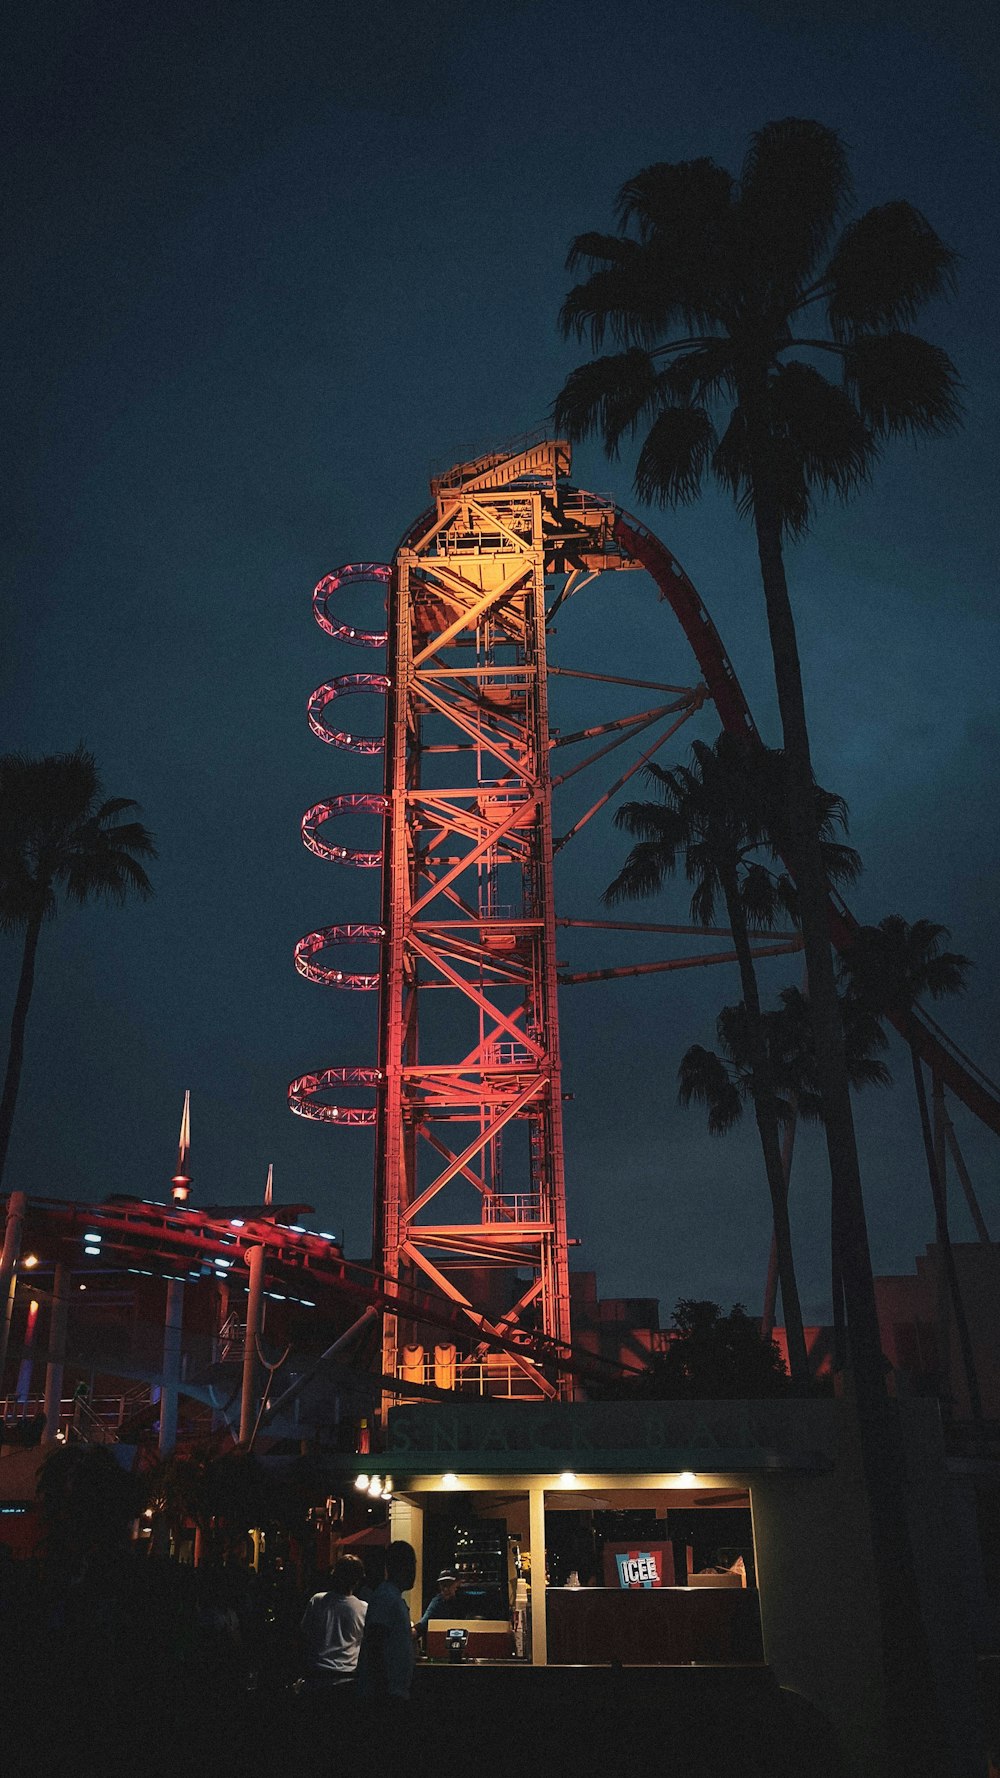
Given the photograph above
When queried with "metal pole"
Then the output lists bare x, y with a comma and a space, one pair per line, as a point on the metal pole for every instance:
57, 1350
536, 1545
339, 1345
248, 1399
173, 1328
17, 1204
965, 1181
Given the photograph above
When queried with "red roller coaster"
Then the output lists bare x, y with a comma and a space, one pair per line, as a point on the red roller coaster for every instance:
469, 1186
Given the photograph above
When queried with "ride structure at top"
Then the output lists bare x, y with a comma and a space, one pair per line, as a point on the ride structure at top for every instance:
470, 1198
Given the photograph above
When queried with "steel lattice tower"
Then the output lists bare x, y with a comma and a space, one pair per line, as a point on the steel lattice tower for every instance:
470, 1198
470, 1180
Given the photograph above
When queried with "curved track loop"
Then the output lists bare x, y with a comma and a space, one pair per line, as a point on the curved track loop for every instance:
322, 940
346, 685
351, 575
934, 1046
314, 818
302, 1096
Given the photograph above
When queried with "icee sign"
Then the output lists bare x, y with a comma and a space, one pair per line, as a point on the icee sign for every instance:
639, 1568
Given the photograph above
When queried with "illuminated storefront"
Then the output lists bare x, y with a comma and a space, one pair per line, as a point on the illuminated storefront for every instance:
802, 1598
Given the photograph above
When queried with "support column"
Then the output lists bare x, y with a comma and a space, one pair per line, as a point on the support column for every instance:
536, 1549
248, 1399
27, 1354
173, 1328
406, 1525
17, 1204
57, 1350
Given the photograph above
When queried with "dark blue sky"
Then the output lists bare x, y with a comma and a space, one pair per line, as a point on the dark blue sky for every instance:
272, 265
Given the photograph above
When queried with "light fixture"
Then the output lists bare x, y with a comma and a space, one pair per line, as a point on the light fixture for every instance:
236, 1222
29, 1260
361, 1483
686, 1479
375, 1488
449, 1479
568, 1479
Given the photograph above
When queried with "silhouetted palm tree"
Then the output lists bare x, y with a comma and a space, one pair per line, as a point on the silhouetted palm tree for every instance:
889, 968
56, 833
726, 297
717, 816
722, 1080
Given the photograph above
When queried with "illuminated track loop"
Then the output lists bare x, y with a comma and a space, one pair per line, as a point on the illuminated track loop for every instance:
302, 1096
346, 686
322, 940
314, 818
933, 1046
352, 574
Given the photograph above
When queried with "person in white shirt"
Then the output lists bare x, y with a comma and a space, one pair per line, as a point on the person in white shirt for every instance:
385, 1664
333, 1626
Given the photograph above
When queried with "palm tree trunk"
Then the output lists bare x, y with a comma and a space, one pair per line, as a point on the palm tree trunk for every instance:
849, 1222
15, 1053
767, 1125
771, 1286
944, 1243
914, 1736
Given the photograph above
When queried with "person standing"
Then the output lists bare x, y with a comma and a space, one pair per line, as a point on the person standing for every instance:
333, 1626
386, 1661
444, 1602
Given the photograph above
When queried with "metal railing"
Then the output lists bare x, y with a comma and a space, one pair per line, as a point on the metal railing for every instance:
493, 1377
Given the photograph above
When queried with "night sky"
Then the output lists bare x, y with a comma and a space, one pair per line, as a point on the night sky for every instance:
269, 267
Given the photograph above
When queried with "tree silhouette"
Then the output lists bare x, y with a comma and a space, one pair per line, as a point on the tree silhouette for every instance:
729, 300
719, 817
57, 834
888, 969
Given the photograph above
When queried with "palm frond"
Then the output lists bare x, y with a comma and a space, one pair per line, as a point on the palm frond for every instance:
759, 896
902, 385
704, 1079
793, 187
823, 430
674, 456
702, 373
608, 397
624, 301
885, 266
643, 874
592, 252
677, 199
707, 894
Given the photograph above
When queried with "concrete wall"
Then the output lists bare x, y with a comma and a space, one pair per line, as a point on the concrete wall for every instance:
819, 1603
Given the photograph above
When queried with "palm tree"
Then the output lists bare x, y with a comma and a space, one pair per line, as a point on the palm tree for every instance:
726, 297
717, 815
56, 833
722, 1079
889, 968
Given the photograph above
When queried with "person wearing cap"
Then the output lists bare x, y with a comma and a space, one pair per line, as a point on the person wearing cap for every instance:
443, 1602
